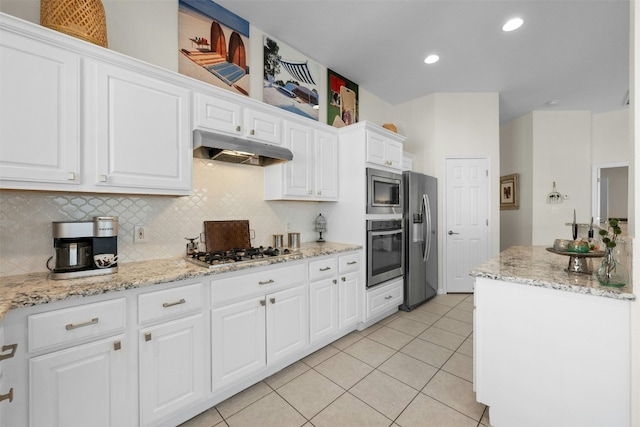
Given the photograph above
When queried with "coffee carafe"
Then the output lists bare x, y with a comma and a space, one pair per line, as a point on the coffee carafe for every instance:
85, 248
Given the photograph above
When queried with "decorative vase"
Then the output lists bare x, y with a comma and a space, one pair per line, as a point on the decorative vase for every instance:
611, 272
83, 19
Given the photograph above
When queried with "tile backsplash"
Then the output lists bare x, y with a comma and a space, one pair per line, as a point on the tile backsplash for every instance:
220, 191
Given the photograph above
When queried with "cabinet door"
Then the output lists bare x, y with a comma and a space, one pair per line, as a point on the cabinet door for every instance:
172, 370
287, 322
323, 309
217, 114
298, 173
80, 386
141, 130
326, 165
349, 295
376, 149
237, 341
393, 154
262, 126
39, 114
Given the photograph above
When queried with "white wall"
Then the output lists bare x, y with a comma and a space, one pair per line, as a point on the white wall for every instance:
516, 152
561, 153
445, 125
611, 137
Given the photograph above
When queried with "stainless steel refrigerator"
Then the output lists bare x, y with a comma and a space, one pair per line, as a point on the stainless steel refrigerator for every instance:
421, 237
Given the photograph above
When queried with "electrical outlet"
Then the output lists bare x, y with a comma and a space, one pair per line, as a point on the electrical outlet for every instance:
288, 225
140, 234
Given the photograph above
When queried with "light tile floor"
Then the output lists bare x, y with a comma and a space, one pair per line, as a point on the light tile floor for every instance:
410, 369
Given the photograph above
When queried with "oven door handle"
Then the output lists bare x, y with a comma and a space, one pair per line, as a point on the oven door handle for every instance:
386, 232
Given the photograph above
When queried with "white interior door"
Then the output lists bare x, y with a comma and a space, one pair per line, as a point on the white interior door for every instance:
467, 220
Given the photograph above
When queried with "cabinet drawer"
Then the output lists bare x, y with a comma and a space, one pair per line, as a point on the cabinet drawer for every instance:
255, 283
384, 298
169, 302
75, 323
350, 262
322, 269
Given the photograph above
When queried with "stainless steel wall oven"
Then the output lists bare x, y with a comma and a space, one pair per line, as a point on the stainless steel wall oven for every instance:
385, 250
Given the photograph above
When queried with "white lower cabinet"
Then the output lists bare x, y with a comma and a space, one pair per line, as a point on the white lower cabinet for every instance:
383, 298
323, 309
238, 341
172, 367
80, 386
248, 335
349, 295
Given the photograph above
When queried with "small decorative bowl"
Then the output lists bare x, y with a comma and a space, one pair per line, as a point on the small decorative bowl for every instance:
561, 245
578, 246
105, 260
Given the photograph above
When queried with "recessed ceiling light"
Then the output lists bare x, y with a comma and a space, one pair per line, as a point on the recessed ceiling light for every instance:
431, 59
512, 24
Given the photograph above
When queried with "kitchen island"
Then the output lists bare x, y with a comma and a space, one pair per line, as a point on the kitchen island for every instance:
550, 348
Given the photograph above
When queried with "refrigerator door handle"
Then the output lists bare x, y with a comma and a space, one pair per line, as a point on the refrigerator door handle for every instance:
426, 206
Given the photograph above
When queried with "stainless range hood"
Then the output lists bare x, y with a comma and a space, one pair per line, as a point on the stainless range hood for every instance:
208, 145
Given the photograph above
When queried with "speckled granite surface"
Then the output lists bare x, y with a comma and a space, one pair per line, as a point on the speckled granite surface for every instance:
535, 266
33, 289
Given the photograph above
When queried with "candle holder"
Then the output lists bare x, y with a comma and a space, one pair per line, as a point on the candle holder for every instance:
321, 227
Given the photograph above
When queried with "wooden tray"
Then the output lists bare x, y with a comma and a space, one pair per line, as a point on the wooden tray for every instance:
227, 235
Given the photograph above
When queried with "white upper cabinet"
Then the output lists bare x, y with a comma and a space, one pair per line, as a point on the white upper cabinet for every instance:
76, 117
139, 126
39, 115
233, 118
313, 172
384, 151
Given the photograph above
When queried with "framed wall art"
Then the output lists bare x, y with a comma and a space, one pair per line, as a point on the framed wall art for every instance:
342, 105
213, 45
290, 79
509, 192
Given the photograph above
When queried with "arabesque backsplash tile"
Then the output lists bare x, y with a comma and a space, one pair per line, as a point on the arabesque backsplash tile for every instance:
220, 191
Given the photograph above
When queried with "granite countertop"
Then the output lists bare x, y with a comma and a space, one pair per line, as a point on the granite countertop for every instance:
535, 266
37, 288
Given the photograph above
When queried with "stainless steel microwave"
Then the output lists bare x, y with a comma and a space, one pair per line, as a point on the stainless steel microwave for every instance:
384, 192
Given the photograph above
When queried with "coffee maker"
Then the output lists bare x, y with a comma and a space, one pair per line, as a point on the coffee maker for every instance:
85, 248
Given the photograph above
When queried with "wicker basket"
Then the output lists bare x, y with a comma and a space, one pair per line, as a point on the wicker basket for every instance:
84, 19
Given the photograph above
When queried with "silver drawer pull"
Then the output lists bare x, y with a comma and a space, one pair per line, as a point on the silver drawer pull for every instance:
344, 279
7, 396
71, 326
171, 304
273, 300
389, 297
12, 351
266, 282
147, 336
325, 269
352, 262
117, 345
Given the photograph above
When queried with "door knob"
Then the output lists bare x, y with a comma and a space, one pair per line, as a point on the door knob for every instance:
451, 233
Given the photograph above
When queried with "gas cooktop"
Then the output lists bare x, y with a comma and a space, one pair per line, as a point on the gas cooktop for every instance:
234, 256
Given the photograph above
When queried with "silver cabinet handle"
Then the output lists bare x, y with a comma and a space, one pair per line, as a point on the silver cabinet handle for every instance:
344, 279
238, 128
103, 178
352, 262
7, 396
273, 300
263, 302
117, 345
389, 297
11, 348
171, 304
147, 336
266, 282
335, 281
253, 132
71, 326
450, 233
71, 176
325, 269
